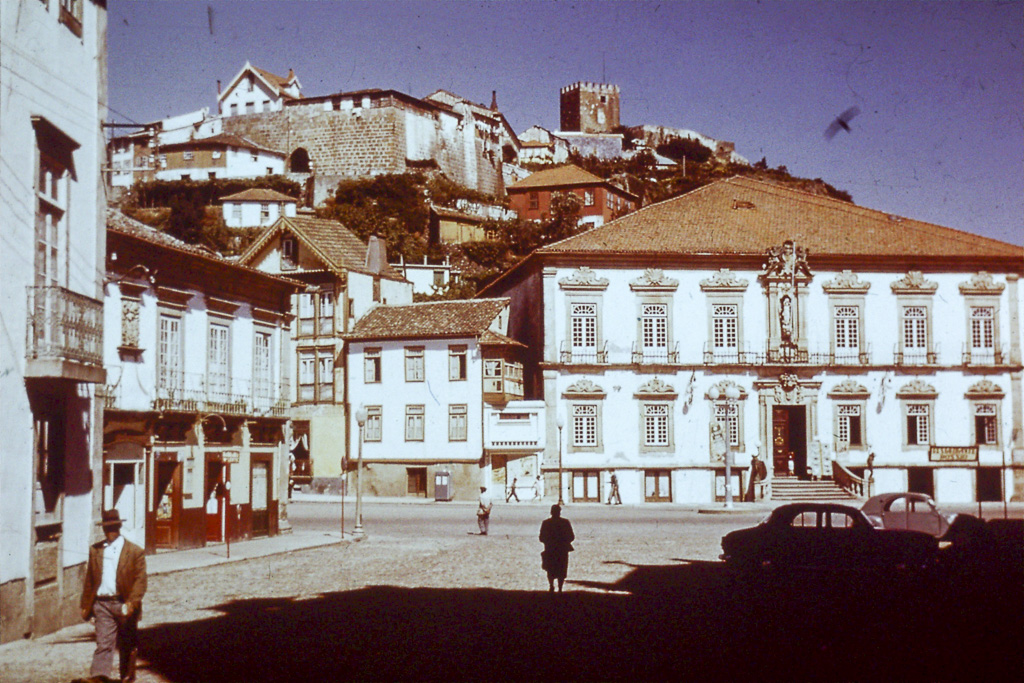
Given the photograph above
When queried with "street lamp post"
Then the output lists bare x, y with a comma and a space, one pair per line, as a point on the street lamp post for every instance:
358, 532
560, 421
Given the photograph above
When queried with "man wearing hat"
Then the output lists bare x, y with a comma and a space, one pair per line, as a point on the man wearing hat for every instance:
115, 581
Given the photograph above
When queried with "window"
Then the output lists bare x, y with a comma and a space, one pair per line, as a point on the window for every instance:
307, 319
727, 415
657, 486
169, 376
457, 423
163, 161
261, 370
218, 381
915, 334
586, 486
250, 108
371, 365
216, 154
325, 303
849, 428
264, 211
71, 15
456, 363
847, 334
588, 198
414, 423
307, 375
654, 332
188, 154
584, 425
325, 368
414, 364
534, 201
438, 279
289, 253
233, 109
372, 430
609, 200
982, 334
236, 213
376, 289
656, 425
49, 447
51, 204
986, 424
316, 375
918, 427
724, 328
583, 330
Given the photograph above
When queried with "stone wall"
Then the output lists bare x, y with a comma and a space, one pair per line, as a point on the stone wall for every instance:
345, 141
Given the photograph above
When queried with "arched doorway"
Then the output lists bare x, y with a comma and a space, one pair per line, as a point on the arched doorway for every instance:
298, 162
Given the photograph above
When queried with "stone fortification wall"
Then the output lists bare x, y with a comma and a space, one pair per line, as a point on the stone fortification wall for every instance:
345, 141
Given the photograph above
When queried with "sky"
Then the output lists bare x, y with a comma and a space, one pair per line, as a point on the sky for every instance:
940, 85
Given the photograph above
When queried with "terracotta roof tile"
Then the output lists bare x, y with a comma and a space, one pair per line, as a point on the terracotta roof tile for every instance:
741, 216
558, 177
463, 318
258, 194
225, 139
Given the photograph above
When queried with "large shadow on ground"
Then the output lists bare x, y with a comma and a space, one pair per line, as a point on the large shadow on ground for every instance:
685, 621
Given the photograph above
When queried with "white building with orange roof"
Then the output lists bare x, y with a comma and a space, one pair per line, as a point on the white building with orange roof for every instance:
256, 208
254, 90
439, 388
747, 319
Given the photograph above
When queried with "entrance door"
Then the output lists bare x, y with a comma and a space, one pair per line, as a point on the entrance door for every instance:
167, 505
124, 493
260, 498
789, 440
214, 491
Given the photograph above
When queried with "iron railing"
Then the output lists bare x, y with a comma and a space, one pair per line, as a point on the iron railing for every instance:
193, 392
647, 355
584, 355
989, 356
915, 356
64, 325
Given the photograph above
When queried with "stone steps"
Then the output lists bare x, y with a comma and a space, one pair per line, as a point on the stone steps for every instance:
791, 489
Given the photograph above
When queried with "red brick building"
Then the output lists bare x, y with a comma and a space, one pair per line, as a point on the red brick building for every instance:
602, 200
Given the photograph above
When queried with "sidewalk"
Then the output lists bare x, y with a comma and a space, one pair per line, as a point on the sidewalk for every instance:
169, 561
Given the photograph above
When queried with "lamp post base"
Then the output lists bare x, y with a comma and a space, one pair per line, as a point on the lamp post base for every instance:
358, 534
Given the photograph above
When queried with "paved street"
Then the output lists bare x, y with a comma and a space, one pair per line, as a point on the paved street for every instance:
424, 598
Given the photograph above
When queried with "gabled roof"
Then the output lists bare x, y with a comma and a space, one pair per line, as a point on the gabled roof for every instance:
258, 194
272, 81
462, 318
122, 224
563, 176
444, 212
742, 216
223, 140
333, 243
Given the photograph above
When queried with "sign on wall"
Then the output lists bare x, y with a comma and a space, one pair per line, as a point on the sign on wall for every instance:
953, 453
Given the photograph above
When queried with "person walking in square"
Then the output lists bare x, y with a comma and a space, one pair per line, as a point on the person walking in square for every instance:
557, 536
115, 581
614, 493
483, 511
512, 491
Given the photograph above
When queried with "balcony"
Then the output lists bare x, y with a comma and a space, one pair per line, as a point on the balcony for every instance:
650, 355
584, 355
919, 357
992, 355
196, 392
65, 335
728, 355
503, 381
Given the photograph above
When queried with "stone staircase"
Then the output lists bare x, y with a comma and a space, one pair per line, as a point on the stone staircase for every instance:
793, 490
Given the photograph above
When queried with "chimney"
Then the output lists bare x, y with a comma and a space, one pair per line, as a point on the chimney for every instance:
291, 74
218, 87
376, 254
494, 100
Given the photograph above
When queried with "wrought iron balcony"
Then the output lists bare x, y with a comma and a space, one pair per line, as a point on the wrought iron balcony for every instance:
584, 355
990, 356
194, 392
915, 356
719, 355
648, 355
65, 335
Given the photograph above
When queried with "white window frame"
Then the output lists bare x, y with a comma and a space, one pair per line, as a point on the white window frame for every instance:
989, 410
846, 333
921, 413
170, 346
415, 364
458, 422
584, 426
656, 426
218, 362
373, 431
849, 420
458, 362
372, 365
262, 368
415, 421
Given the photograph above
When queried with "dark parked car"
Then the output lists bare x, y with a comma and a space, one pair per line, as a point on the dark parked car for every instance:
913, 511
826, 535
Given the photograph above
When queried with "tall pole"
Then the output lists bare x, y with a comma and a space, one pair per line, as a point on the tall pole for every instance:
358, 532
560, 472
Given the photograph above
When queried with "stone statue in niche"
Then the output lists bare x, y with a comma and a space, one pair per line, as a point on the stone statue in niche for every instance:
786, 318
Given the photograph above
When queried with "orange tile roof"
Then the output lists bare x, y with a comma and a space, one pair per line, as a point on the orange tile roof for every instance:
258, 194
460, 318
337, 246
742, 216
558, 177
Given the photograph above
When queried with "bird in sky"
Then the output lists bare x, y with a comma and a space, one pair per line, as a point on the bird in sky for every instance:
841, 122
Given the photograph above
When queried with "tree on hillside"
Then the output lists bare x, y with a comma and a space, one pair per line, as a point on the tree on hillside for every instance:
185, 221
677, 148
565, 217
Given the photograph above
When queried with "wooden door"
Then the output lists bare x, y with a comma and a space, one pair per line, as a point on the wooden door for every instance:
167, 503
260, 491
214, 491
781, 452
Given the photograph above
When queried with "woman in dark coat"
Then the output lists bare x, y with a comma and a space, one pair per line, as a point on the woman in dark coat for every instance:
557, 536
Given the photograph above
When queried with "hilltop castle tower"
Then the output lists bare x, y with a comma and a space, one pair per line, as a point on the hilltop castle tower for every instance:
589, 107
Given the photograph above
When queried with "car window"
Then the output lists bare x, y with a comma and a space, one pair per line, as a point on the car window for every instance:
840, 520
898, 505
805, 519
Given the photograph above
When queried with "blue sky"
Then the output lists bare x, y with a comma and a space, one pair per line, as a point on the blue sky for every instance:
940, 85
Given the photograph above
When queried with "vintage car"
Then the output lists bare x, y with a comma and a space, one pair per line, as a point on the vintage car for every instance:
828, 536
913, 511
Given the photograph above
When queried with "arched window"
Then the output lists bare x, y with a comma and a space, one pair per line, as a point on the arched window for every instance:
298, 162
